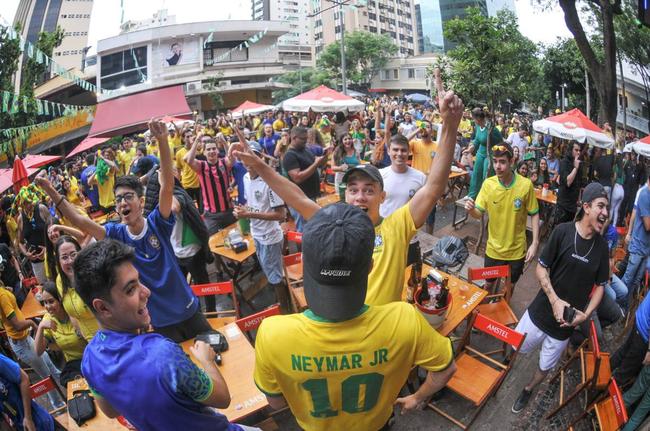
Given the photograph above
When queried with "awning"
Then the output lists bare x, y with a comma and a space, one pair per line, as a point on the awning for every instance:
6, 180
131, 113
38, 160
86, 144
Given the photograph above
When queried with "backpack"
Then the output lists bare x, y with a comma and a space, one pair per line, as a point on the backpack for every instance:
449, 252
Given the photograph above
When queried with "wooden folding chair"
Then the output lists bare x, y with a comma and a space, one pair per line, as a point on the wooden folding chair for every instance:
44, 386
611, 413
293, 275
496, 306
478, 376
252, 322
636, 300
219, 288
595, 370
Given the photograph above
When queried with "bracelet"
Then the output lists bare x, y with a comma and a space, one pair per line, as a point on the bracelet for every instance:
59, 202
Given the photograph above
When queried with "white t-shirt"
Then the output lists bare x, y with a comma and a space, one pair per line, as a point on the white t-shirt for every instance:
260, 198
407, 128
517, 141
399, 188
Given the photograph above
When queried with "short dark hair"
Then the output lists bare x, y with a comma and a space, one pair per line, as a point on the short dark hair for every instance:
298, 130
95, 269
130, 182
478, 113
399, 139
90, 159
142, 148
502, 149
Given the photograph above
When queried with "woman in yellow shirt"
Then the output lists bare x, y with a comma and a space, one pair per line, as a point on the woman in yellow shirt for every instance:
66, 250
72, 194
57, 329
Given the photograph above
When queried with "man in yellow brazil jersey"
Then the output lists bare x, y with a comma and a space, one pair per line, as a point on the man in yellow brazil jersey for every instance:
341, 364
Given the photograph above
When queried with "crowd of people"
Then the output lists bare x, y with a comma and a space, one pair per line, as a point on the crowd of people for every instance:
111, 237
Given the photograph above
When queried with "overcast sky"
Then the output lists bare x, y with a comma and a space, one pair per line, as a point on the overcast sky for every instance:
540, 26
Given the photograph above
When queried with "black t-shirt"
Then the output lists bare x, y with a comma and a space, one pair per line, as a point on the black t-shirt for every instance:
8, 273
575, 266
567, 197
604, 169
302, 159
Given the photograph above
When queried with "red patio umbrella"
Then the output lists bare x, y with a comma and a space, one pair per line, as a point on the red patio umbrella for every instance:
19, 176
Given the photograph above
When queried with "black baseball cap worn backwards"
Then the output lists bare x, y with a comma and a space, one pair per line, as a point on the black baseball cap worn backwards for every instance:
590, 193
369, 170
337, 250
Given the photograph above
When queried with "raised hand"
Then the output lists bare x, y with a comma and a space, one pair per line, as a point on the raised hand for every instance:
158, 129
451, 106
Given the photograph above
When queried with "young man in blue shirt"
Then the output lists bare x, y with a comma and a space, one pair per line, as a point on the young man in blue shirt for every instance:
140, 375
174, 309
16, 399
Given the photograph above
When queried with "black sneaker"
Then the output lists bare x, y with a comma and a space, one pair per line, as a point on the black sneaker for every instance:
521, 401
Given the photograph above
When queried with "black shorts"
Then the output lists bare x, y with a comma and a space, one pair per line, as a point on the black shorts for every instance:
186, 329
516, 267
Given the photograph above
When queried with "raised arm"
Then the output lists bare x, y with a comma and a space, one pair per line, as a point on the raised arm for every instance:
451, 110
288, 191
68, 210
166, 173
190, 157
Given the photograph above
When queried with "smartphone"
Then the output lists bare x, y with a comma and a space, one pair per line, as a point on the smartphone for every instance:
569, 314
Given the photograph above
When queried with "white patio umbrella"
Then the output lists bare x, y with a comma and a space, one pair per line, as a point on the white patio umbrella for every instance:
574, 125
323, 99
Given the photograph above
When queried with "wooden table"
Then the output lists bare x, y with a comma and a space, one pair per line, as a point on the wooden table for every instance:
466, 297
551, 198
454, 179
31, 307
237, 367
217, 247
328, 199
100, 422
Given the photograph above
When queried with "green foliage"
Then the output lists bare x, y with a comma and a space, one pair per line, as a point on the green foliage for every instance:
633, 42
492, 62
311, 78
215, 93
365, 55
9, 53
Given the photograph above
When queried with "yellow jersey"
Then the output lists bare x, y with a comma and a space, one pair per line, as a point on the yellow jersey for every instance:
508, 208
152, 150
66, 337
8, 309
77, 309
105, 191
174, 143
278, 125
125, 158
423, 153
189, 178
392, 237
345, 375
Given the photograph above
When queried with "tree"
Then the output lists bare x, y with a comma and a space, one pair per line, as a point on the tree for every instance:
633, 42
9, 53
310, 77
215, 92
365, 55
492, 62
602, 69
563, 64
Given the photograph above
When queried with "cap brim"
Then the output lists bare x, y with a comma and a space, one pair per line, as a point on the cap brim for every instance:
335, 301
363, 171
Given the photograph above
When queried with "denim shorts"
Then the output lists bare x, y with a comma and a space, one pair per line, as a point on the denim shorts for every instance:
270, 257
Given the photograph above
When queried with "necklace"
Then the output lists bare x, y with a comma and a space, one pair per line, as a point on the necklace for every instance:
575, 248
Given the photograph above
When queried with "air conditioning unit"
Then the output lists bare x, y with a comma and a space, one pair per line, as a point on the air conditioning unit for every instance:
193, 86
225, 83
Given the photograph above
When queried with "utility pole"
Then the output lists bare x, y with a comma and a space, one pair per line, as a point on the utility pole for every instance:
344, 83
588, 95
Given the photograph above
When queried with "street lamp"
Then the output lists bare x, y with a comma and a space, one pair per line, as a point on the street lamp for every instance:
563, 101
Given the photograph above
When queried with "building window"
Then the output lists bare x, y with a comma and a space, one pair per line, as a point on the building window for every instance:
411, 73
223, 52
124, 68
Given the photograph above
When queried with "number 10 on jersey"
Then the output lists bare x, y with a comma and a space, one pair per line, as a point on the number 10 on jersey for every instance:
351, 391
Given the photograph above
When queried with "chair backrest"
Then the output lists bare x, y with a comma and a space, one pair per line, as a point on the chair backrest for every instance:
252, 322
499, 331
617, 401
217, 288
593, 339
43, 387
502, 271
292, 259
294, 237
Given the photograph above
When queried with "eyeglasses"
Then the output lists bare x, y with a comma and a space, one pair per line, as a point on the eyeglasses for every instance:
68, 257
128, 197
500, 148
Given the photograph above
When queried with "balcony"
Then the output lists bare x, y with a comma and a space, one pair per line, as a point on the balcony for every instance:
633, 121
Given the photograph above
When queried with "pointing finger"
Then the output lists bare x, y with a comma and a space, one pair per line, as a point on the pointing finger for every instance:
438, 82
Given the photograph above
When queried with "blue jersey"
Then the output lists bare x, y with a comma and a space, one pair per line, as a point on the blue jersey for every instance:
238, 172
171, 300
151, 382
11, 402
91, 192
268, 143
640, 243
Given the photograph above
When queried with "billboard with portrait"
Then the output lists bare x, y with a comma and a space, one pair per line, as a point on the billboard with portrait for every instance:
176, 52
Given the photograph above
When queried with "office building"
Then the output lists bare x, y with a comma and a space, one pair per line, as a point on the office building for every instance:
395, 18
